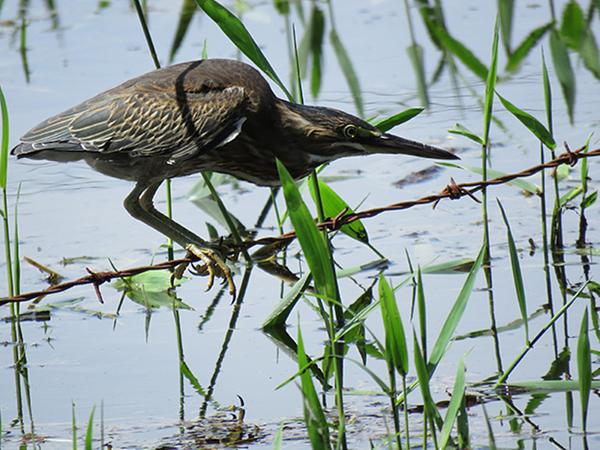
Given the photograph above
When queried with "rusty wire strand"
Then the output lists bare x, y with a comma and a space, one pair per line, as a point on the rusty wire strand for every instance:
452, 191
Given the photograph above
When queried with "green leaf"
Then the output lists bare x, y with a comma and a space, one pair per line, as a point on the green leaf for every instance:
461, 130
241, 38
516, 271
415, 54
530, 122
397, 119
589, 200
316, 49
584, 368
185, 370
570, 195
396, 353
4, 142
490, 88
458, 393
547, 92
314, 417
521, 52
186, 13
589, 53
333, 205
280, 314
562, 172
423, 377
573, 26
538, 386
90, 431
348, 70
313, 245
466, 56
564, 71
455, 314
506, 14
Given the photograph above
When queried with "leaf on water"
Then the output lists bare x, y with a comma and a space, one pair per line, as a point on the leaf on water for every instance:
397, 119
463, 131
532, 124
535, 386
333, 205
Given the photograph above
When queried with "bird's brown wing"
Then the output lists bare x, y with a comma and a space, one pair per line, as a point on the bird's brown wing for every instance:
144, 122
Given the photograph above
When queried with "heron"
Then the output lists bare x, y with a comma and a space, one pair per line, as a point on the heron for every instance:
218, 115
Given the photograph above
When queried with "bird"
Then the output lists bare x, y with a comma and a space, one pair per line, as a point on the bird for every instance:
218, 115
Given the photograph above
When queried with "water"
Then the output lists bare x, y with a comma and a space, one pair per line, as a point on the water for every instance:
131, 365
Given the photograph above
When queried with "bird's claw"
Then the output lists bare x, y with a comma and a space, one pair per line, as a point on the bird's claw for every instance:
212, 265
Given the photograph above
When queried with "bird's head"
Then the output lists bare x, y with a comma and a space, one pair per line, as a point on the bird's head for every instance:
328, 134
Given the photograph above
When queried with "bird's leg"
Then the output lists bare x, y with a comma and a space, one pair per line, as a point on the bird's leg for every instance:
140, 206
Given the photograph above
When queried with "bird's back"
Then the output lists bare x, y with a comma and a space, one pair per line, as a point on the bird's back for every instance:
175, 110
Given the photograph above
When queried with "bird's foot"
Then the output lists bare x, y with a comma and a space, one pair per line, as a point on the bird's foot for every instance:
212, 265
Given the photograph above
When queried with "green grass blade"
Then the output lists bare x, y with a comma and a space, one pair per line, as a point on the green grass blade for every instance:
463, 131
458, 393
186, 371
348, 71
532, 124
521, 52
466, 56
4, 142
423, 375
417, 60
333, 205
545, 386
506, 13
490, 87
280, 314
316, 50
573, 25
488, 425
239, 35
455, 314
311, 240
278, 438
516, 271
584, 368
421, 306
73, 426
564, 70
396, 351
186, 13
89, 432
397, 119
314, 417
547, 93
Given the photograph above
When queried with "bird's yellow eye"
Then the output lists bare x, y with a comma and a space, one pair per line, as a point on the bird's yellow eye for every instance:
350, 131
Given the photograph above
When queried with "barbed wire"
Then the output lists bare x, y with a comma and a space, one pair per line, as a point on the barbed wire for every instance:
451, 191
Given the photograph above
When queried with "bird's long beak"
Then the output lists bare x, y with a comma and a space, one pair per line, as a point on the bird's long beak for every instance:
388, 143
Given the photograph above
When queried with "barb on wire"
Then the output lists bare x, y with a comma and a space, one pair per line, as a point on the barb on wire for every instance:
452, 191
